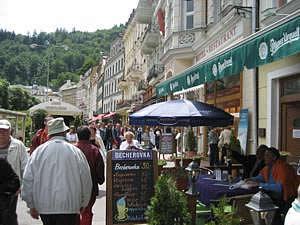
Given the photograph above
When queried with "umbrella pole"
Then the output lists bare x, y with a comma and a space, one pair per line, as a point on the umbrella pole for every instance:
183, 147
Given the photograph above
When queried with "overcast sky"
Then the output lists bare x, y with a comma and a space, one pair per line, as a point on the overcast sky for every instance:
24, 16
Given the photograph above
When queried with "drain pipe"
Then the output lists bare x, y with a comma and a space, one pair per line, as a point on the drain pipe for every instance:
255, 28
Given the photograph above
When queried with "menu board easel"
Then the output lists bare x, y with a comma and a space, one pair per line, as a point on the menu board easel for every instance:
130, 180
167, 144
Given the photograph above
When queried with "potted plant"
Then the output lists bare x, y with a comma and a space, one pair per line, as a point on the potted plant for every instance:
191, 144
168, 205
187, 160
224, 214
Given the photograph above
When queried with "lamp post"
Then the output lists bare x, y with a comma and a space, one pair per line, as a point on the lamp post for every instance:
193, 173
46, 45
262, 209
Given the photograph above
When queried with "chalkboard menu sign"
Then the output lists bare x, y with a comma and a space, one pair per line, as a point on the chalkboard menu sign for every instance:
130, 185
167, 144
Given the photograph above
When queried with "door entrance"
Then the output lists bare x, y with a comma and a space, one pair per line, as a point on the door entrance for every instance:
291, 130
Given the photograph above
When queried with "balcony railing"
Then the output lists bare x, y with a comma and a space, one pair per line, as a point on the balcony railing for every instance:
135, 72
123, 104
155, 71
150, 39
142, 86
123, 84
180, 39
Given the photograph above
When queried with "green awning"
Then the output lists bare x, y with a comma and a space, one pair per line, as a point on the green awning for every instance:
264, 48
224, 65
276, 44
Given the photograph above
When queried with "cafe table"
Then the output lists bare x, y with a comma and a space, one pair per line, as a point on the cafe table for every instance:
234, 166
209, 189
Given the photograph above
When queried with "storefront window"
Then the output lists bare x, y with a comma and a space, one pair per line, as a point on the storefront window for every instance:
228, 85
225, 93
291, 86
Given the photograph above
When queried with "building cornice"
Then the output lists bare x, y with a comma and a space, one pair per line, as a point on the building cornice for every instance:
111, 59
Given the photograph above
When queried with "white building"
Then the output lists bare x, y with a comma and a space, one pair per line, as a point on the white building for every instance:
114, 71
83, 94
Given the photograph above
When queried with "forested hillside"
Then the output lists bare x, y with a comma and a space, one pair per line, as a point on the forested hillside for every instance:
22, 64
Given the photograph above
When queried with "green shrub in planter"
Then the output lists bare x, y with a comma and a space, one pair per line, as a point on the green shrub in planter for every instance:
224, 214
168, 206
191, 142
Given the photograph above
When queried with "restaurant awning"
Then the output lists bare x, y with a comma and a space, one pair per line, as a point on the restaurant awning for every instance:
109, 115
279, 40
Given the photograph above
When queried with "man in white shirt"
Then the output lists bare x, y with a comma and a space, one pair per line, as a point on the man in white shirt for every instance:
224, 141
129, 143
57, 180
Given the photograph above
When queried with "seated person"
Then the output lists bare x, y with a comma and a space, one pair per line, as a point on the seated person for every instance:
278, 179
293, 215
129, 142
252, 164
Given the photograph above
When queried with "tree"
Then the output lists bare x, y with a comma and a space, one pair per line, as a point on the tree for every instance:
38, 118
19, 99
19, 63
63, 77
4, 94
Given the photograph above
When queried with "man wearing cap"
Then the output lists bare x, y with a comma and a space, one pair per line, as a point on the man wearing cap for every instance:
57, 182
15, 153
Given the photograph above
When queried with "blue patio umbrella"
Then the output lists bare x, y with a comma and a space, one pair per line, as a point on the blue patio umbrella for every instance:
181, 113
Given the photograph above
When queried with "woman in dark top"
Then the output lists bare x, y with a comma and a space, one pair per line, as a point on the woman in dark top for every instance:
9, 185
252, 164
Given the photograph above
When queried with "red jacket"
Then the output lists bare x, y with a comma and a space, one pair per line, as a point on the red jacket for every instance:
95, 161
40, 137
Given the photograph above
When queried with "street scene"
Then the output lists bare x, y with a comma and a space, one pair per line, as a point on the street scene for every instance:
158, 112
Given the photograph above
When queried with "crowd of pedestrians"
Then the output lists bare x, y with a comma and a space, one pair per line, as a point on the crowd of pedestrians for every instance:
58, 178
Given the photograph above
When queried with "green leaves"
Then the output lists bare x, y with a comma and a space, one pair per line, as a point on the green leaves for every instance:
19, 64
4, 94
168, 205
224, 214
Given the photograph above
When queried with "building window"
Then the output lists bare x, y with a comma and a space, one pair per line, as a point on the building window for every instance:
291, 86
190, 6
189, 14
190, 22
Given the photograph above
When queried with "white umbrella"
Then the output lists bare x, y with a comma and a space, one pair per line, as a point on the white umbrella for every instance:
57, 108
